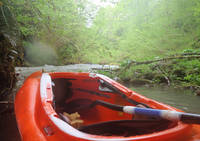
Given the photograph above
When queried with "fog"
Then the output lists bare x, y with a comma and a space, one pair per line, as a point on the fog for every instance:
38, 53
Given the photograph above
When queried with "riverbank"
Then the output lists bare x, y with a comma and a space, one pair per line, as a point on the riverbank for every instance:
179, 73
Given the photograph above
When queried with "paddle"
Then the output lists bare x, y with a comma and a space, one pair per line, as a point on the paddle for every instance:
155, 113
78, 105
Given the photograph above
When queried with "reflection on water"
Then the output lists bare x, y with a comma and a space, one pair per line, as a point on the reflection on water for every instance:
181, 99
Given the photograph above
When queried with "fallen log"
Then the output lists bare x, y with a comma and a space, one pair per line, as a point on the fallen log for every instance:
161, 60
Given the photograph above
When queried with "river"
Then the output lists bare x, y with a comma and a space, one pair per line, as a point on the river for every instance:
179, 98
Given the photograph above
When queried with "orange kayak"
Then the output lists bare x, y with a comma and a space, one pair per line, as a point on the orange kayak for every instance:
65, 106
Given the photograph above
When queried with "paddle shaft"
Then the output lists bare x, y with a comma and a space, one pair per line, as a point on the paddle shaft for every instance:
156, 113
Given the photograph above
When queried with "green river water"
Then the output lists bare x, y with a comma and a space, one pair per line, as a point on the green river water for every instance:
181, 99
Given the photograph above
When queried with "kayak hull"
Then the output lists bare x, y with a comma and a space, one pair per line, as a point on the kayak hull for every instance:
38, 121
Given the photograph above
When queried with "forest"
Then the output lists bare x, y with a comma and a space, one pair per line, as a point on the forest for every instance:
153, 41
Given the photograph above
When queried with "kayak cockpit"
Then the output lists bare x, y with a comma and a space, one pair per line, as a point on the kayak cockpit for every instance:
75, 95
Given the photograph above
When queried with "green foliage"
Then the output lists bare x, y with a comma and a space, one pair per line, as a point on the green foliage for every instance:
143, 29
78, 31
193, 78
62, 24
137, 72
183, 72
82, 32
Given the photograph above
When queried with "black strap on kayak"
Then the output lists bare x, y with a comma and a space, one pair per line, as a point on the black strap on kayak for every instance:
116, 90
92, 92
80, 104
108, 105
